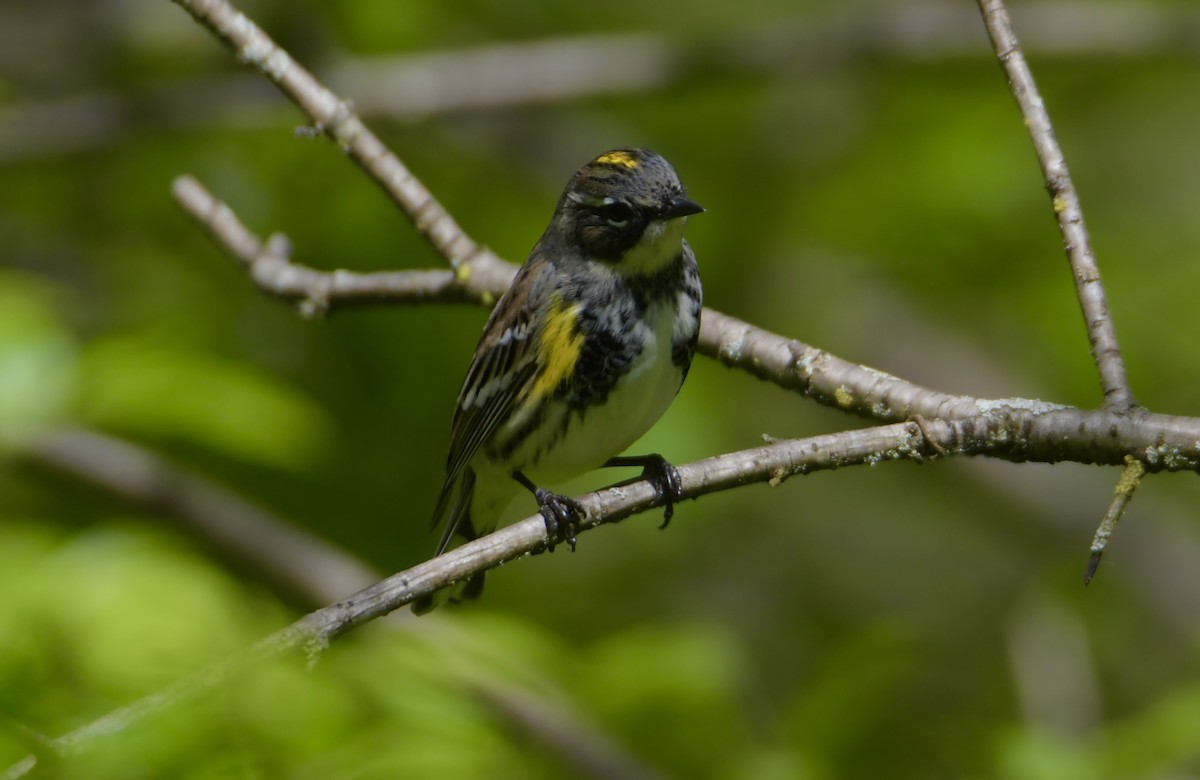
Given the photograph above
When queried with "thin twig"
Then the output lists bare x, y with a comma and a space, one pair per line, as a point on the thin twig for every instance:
334, 117
1067, 210
317, 291
1127, 485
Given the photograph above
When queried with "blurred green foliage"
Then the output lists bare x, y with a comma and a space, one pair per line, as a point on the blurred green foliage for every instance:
871, 198
38, 358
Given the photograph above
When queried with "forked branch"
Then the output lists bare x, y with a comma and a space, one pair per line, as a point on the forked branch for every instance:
1067, 210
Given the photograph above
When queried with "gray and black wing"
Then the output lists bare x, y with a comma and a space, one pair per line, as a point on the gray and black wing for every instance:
504, 364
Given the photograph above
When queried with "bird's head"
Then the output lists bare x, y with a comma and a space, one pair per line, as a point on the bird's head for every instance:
626, 208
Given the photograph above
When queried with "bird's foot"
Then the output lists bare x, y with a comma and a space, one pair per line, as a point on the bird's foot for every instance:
562, 515
659, 472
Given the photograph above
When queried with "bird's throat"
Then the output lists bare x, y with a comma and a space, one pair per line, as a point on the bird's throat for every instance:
661, 243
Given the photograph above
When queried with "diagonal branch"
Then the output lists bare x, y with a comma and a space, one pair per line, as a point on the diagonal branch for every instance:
320, 573
1067, 209
1127, 485
317, 291
312, 633
333, 116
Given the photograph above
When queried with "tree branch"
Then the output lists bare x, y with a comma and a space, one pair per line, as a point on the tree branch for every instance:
481, 281
314, 631
1067, 209
1127, 485
334, 117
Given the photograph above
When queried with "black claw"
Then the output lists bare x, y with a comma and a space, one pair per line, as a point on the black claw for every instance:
562, 516
659, 473
667, 483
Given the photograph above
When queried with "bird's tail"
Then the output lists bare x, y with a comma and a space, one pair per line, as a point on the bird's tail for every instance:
458, 526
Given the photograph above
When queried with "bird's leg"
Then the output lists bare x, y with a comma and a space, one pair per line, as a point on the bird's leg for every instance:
661, 474
561, 513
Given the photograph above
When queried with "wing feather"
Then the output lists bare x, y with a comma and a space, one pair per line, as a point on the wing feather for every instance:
504, 364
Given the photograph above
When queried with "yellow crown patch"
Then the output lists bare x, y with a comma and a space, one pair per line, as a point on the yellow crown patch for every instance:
624, 159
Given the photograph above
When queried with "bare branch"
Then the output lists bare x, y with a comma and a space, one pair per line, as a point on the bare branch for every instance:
1130, 479
334, 117
480, 281
314, 631
1067, 209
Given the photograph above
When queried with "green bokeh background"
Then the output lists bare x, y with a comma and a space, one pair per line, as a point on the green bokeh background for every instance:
875, 199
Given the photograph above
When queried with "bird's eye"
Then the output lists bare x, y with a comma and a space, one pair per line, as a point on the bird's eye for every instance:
616, 214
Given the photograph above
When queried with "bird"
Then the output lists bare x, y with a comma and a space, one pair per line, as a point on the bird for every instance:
581, 355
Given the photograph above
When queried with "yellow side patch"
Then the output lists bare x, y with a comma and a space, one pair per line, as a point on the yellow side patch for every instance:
559, 348
624, 159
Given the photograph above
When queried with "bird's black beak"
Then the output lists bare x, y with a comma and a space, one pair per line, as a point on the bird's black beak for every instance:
680, 207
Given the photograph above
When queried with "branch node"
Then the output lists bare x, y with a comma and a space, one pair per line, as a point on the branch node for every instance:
315, 305
930, 441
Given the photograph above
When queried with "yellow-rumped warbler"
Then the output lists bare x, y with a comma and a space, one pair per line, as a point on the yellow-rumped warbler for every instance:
581, 356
